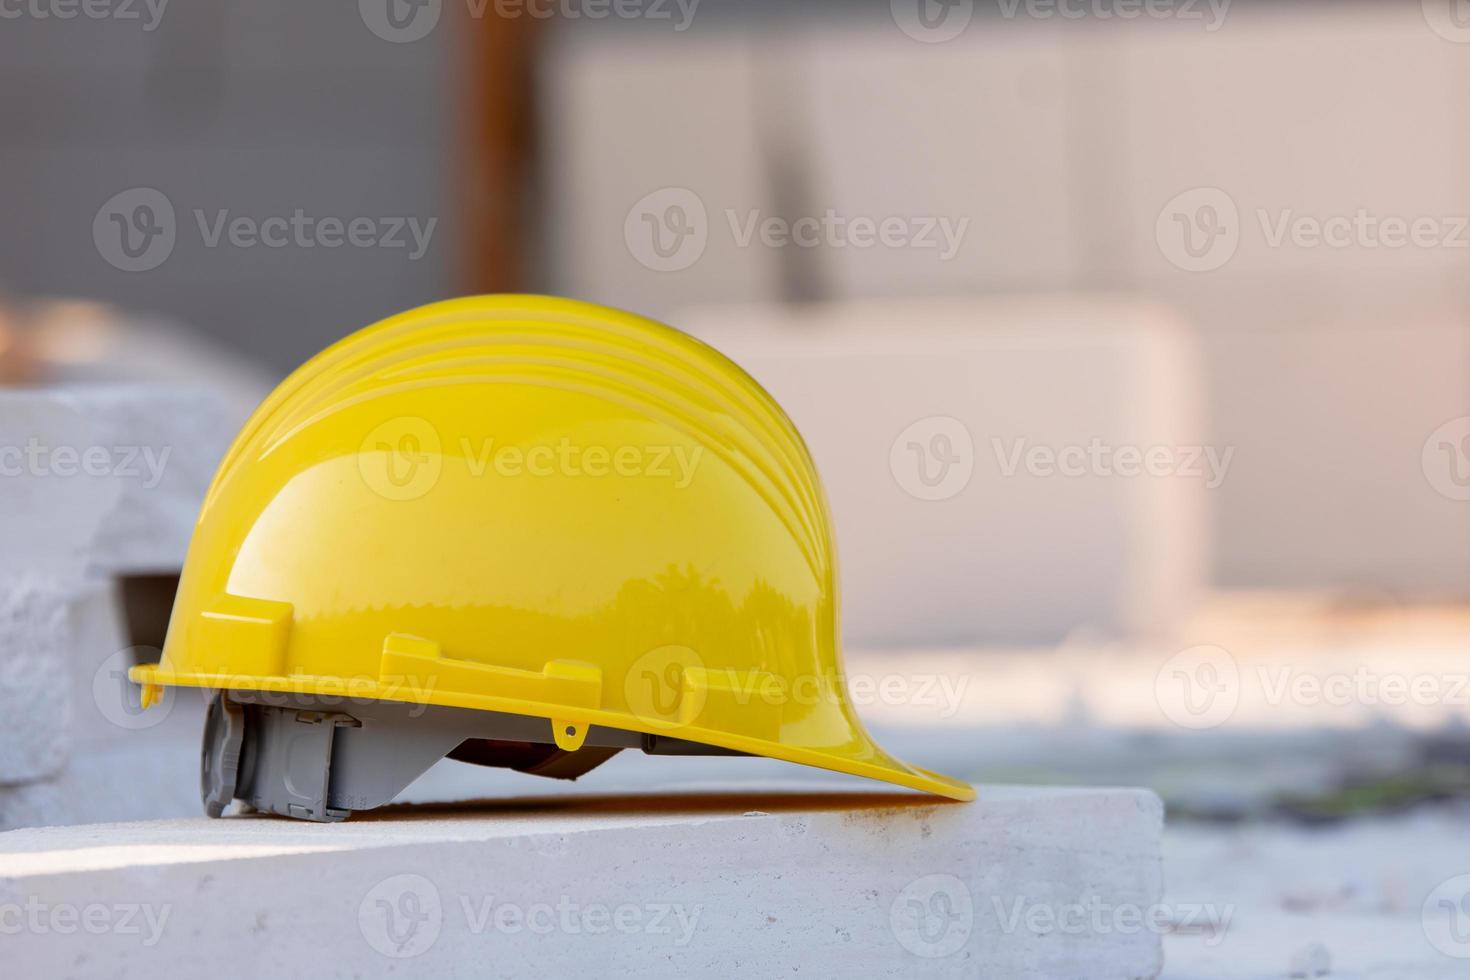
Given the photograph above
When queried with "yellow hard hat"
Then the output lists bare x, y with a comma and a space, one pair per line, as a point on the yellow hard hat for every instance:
519, 531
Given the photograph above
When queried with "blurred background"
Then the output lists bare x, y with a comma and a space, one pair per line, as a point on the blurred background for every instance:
1132, 341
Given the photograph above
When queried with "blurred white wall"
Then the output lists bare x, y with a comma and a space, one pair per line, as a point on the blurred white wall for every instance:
1064, 143
925, 418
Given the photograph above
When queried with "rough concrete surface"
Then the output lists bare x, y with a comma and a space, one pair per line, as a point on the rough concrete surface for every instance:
165, 444
35, 709
94, 481
761, 883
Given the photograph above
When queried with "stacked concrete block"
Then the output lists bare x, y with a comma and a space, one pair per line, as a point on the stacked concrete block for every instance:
94, 483
49, 514
166, 444
999, 470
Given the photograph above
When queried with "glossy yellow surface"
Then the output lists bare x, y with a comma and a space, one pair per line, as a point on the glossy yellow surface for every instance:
538, 506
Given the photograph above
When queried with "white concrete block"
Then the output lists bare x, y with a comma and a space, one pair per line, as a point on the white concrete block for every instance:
1339, 478
164, 444
1289, 110
976, 132
98, 480
629, 116
115, 747
50, 510
922, 417
51, 505
760, 884
35, 703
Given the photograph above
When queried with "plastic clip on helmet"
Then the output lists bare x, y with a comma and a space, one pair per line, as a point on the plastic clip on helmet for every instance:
516, 531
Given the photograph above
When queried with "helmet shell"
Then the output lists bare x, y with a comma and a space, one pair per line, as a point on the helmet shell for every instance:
537, 506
